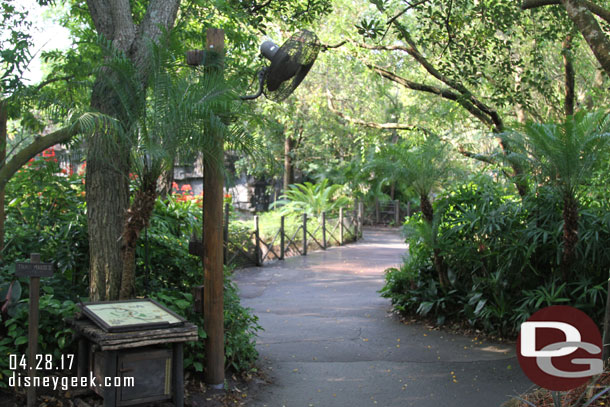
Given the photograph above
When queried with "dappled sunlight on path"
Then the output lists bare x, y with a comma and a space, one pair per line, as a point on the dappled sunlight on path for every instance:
330, 340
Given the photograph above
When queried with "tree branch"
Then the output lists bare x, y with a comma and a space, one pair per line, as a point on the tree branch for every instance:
36, 147
594, 8
588, 26
381, 126
442, 92
479, 157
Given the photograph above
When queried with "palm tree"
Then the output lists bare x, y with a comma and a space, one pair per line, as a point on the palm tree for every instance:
564, 156
424, 168
178, 116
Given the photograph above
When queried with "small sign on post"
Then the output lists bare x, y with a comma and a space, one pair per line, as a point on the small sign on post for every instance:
34, 270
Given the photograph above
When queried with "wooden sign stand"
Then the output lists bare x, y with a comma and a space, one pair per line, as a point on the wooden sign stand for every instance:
34, 270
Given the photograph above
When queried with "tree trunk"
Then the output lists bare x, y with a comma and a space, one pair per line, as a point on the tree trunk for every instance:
288, 163
107, 192
3, 135
569, 76
438, 259
570, 235
606, 335
107, 179
586, 23
136, 220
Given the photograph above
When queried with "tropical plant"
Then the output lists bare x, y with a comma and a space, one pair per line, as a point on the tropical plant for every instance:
564, 156
312, 199
424, 168
177, 115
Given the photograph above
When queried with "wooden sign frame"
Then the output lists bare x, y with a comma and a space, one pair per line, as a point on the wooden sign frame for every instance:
165, 318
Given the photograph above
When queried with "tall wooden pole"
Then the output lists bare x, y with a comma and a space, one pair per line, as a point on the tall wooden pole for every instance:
213, 183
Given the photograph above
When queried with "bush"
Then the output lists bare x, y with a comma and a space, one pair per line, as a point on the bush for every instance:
503, 255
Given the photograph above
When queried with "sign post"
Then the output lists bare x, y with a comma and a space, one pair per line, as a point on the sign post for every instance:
34, 270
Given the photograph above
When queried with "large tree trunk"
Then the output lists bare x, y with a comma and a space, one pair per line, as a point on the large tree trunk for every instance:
570, 235
108, 164
590, 29
136, 220
288, 163
3, 135
438, 259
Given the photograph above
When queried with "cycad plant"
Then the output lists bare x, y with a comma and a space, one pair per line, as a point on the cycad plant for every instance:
564, 156
312, 199
424, 168
179, 116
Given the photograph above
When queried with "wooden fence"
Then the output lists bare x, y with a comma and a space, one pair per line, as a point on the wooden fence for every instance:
386, 213
248, 248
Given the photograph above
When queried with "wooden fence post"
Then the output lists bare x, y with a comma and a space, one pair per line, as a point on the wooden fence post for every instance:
225, 236
340, 226
324, 230
282, 238
396, 212
257, 238
304, 234
377, 211
408, 209
360, 220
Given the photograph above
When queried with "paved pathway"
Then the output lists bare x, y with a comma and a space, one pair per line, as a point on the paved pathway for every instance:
330, 341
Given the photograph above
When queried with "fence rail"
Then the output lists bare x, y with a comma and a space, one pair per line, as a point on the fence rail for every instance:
250, 249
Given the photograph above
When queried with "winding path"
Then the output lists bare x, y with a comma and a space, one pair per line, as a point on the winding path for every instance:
329, 339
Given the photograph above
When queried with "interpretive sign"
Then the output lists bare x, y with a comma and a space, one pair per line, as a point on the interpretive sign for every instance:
130, 315
23, 269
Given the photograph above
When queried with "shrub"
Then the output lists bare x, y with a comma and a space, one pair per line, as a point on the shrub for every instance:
312, 199
503, 254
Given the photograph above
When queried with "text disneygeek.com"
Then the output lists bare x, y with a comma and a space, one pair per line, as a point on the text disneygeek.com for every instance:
64, 383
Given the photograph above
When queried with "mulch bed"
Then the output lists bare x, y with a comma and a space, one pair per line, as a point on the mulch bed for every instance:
576, 397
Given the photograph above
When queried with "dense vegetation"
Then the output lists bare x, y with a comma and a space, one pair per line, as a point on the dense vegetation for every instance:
46, 202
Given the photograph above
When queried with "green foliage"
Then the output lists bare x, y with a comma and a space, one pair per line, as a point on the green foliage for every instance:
54, 336
312, 199
46, 215
241, 327
503, 255
14, 47
565, 154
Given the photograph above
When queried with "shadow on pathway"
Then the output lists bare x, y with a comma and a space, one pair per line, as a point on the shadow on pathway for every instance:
330, 341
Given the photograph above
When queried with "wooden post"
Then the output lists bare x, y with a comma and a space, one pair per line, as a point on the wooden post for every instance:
282, 238
341, 226
178, 374
33, 331
225, 237
257, 240
213, 181
34, 270
377, 211
408, 209
396, 213
324, 230
360, 220
304, 234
